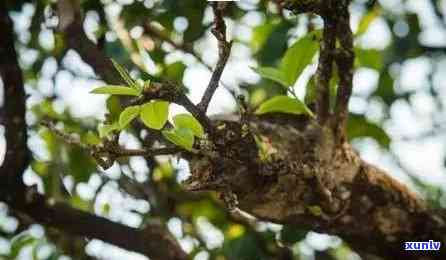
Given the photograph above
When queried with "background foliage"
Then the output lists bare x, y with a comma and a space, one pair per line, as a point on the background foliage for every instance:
399, 101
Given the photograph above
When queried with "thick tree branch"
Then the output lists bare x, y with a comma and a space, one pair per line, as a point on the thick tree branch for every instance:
13, 110
308, 178
313, 182
152, 241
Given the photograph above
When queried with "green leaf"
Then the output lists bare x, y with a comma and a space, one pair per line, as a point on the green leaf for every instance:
90, 138
105, 129
189, 122
116, 90
295, 60
298, 56
260, 35
128, 115
125, 76
359, 126
273, 74
19, 242
284, 104
114, 108
366, 20
182, 137
370, 58
174, 71
154, 114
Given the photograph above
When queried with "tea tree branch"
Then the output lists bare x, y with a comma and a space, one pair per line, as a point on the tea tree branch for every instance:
224, 50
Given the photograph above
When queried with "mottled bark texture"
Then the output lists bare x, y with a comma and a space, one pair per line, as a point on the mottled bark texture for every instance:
300, 171
311, 181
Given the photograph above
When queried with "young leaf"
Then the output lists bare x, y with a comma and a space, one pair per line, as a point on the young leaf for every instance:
154, 114
128, 115
284, 104
106, 129
273, 74
182, 137
125, 75
116, 90
189, 122
298, 56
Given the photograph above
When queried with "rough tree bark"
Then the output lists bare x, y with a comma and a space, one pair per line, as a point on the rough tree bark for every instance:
310, 177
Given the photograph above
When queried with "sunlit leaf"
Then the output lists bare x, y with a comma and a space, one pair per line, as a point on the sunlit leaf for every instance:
105, 129
370, 58
274, 75
126, 76
114, 108
116, 90
90, 138
260, 35
154, 114
175, 71
182, 137
298, 57
284, 104
189, 122
128, 115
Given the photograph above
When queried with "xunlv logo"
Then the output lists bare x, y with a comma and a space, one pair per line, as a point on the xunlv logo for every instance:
431, 245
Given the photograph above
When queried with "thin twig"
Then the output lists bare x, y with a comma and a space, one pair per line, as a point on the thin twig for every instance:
224, 49
147, 152
106, 154
168, 91
68, 138
186, 48
155, 32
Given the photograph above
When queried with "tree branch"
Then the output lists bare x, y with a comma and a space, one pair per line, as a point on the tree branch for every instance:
344, 59
224, 50
325, 68
313, 182
13, 110
154, 32
153, 241
70, 25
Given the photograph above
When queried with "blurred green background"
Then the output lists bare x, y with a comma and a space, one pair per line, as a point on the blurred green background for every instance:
398, 116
